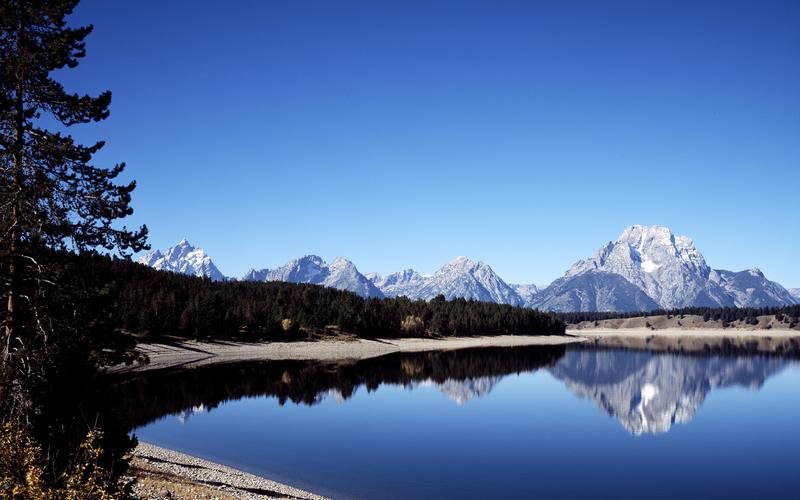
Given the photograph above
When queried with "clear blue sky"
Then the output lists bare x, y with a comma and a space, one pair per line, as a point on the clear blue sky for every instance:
402, 134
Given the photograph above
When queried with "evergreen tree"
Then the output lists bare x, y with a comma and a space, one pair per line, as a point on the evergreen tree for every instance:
51, 194
52, 198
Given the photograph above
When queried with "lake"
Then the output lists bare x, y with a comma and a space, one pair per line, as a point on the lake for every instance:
533, 422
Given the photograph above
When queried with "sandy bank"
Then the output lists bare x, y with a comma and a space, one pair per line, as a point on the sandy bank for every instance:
690, 322
189, 354
163, 473
697, 340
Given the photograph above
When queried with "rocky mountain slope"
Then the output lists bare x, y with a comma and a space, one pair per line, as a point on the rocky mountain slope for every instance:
460, 277
185, 259
341, 274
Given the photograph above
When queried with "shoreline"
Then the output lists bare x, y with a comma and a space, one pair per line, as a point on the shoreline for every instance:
164, 473
192, 353
694, 340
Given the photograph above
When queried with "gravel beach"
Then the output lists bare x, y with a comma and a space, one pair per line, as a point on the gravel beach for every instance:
163, 473
191, 354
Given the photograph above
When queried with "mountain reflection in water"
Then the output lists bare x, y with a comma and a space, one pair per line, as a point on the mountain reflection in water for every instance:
460, 374
649, 392
646, 392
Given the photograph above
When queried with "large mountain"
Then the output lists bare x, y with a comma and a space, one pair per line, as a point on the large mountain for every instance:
341, 274
668, 269
795, 293
460, 277
185, 259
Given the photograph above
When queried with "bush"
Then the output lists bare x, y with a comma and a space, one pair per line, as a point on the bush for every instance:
22, 471
412, 325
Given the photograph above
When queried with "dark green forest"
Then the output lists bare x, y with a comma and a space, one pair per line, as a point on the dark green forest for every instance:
153, 304
725, 314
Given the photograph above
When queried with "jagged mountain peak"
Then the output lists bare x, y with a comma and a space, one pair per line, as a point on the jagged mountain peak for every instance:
667, 268
461, 263
341, 262
312, 269
183, 258
461, 277
527, 293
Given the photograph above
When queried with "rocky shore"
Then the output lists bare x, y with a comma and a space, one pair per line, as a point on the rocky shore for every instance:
165, 474
185, 354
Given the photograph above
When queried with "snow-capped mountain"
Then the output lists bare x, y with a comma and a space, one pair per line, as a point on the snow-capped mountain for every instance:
183, 258
460, 277
667, 268
341, 274
403, 283
526, 292
795, 292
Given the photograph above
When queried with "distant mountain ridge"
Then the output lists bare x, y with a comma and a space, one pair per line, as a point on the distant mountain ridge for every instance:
461, 277
646, 268
341, 274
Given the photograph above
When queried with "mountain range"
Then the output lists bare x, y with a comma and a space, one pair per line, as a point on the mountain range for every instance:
646, 268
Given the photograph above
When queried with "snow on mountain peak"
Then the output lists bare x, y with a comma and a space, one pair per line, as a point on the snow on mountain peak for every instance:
183, 258
461, 277
341, 274
668, 269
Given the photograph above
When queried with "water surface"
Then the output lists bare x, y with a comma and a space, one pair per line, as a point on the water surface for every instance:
532, 422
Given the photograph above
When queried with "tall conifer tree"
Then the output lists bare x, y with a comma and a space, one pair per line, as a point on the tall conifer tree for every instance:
51, 196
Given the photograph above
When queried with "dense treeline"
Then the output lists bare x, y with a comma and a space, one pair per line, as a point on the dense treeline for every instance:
724, 314
155, 303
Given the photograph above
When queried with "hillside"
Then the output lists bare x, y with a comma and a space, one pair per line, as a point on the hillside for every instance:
689, 322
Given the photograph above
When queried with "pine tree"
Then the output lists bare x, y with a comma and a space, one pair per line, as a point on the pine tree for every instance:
54, 200
50, 193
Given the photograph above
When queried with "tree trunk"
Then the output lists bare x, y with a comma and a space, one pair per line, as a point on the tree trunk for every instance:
19, 144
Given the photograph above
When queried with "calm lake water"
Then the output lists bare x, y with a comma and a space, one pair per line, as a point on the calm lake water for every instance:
486, 423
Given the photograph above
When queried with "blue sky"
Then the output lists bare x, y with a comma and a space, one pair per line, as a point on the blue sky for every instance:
402, 134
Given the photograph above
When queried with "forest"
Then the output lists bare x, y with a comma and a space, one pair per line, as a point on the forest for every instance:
152, 304
725, 314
